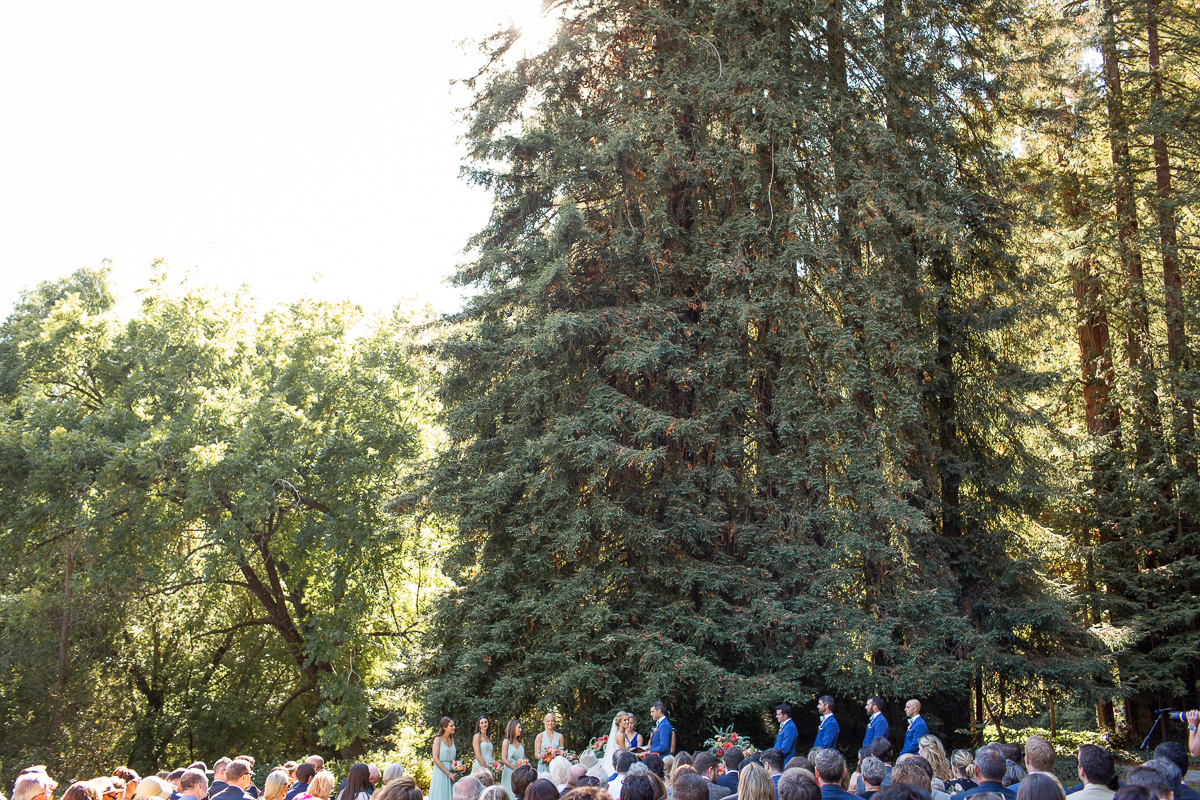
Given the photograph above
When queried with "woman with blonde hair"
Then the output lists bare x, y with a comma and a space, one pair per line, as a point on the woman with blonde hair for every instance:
321, 786
276, 786
755, 784
961, 762
930, 748
545, 740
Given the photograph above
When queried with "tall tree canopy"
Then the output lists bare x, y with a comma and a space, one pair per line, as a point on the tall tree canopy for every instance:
741, 410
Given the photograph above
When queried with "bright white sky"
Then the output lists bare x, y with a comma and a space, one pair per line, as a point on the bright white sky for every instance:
257, 142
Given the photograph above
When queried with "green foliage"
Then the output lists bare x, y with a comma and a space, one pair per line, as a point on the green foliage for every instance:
194, 525
743, 407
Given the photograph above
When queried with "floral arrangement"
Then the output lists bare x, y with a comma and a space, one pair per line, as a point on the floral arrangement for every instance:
524, 762
597, 744
458, 767
727, 739
550, 753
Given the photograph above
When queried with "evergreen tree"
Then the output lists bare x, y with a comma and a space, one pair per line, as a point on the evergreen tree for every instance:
740, 411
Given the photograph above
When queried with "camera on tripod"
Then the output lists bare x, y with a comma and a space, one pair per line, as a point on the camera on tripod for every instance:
1175, 716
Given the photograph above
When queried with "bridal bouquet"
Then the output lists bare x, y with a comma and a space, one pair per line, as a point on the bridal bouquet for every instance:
597, 744
727, 739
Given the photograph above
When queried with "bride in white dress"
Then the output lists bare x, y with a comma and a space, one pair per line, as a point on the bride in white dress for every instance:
611, 746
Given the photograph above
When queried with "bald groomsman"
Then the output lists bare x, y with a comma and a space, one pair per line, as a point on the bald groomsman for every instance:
916, 728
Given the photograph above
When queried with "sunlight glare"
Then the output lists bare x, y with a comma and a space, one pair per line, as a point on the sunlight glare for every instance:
537, 26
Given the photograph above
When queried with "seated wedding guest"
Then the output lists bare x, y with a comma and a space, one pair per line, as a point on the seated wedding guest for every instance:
153, 787
831, 769
731, 759
855, 782
587, 793
661, 791
1177, 754
1040, 786
798, 784
192, 783
81, 790
1039, 756
772, 759
1169, 772
485, 776
392, 772
962, 767
321, 786
872, 774
276, 785
654, 763
903, 791
1097, 771
407, 789
882, 749
469, 788
131, 778
494, 792
317, 762
1151, 778
622, 762
1133, 793
1014, 773
706, 766
522, 777
924, 781
692, 786
754, 783
237, 782
1012, 751
930, 748
577, 771
559, 771
304, 774
989, 772
35, 785
634, 787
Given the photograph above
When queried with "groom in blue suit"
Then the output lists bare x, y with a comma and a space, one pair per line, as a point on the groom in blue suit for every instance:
660, 738
827, 733
916, 728
877, 727
785, 742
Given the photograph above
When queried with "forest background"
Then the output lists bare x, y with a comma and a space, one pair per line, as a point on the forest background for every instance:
821, 347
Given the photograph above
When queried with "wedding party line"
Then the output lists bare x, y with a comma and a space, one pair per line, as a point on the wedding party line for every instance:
621, 765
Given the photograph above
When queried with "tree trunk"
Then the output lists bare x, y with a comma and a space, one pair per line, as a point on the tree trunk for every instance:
1138, 332
64, 636
1177, 349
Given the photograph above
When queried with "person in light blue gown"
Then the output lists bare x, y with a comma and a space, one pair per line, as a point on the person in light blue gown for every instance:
512, 752
481, 743
441, 784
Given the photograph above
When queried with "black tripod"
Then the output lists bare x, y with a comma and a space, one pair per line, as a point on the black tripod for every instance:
1160, 714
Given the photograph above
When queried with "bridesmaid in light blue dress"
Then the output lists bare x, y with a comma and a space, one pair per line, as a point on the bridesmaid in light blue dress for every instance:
441, 784
481, 743
512, 750
546, 739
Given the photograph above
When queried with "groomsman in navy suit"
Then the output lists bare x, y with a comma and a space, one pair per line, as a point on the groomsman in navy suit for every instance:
916, 728
660, 738
877, 727
827, 732
785, 741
